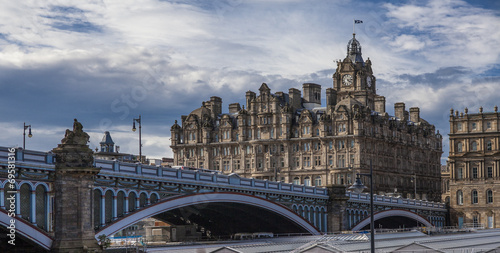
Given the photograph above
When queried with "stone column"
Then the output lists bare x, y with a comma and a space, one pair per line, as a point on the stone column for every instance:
336, 218
73, 187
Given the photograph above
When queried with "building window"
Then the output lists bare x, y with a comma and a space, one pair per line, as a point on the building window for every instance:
489, 171
352, 143
460, 198
341, 161
351, 158
459, 147
237, 137
459, 126
216, 138
258, 133
317, 132
282, 160
317, 146
307, 181
460, 173
330, 160
474, 126
341, 144
474, 197
307, 161
488, 145
474, 146
259, 163
317, 181
307, 146
489, 196
317, 160
330, 145
296, 180
488, 125
226, 166
474, 172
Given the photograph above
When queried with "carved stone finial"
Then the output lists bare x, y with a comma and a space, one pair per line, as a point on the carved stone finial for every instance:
496, 108
73, 152
466, 110
77, 136
451, 112
481, 109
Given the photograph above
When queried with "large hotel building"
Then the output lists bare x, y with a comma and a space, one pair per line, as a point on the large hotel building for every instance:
291, 137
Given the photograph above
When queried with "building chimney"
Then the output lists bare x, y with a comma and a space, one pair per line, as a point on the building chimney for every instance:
415, 114
295, 98
380, 104
234, 107
331, 97
399, 110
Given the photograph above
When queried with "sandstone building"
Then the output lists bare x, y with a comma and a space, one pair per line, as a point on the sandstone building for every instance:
474, 163
293, 138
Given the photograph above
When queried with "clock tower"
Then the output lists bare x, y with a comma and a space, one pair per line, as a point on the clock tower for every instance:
354, 77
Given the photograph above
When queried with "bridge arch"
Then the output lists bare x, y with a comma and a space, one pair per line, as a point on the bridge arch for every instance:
208, 198
26, 230
391, 213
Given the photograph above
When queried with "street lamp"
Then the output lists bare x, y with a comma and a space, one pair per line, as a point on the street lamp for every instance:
414, 181
24, 134
358, 187
133, 130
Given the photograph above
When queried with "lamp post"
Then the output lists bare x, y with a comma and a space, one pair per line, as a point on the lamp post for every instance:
358, 187
24, 134
138, 120
414, 180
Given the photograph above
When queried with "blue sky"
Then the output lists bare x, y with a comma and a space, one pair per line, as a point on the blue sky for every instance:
106, 62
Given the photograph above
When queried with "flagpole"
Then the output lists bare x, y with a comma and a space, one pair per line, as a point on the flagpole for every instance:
353, 22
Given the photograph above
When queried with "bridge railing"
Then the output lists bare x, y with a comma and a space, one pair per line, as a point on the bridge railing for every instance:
113, 166
389, 200
28, 155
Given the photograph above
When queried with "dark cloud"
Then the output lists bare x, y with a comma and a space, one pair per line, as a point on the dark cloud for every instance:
71, 19
440, 77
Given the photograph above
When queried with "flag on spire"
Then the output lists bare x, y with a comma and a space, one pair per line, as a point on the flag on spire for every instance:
357, 21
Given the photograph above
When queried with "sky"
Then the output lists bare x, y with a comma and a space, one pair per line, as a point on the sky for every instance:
107, 62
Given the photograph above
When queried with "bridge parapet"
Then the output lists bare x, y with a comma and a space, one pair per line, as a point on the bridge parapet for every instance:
395, 201
137, 170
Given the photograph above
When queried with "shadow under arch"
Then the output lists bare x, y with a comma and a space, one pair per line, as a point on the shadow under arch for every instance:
392, 213
222, 208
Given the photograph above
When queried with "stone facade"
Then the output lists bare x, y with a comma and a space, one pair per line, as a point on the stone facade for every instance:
474, 163
292, 138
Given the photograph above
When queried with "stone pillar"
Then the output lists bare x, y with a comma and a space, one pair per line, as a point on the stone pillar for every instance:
336, 218
73, 186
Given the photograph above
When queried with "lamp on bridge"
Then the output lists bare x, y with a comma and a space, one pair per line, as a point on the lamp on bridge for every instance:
358, 187
138, 120
24, 134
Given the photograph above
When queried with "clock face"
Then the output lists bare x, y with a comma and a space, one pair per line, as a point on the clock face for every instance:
347, 79
369, 81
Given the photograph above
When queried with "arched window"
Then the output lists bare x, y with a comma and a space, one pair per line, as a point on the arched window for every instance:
460, 198
317, 181
474, 146
97, 208
154, 198
26, 201
132, 200
143, 200
307, 181
489, 196
474, 196
120, 204
296, 180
